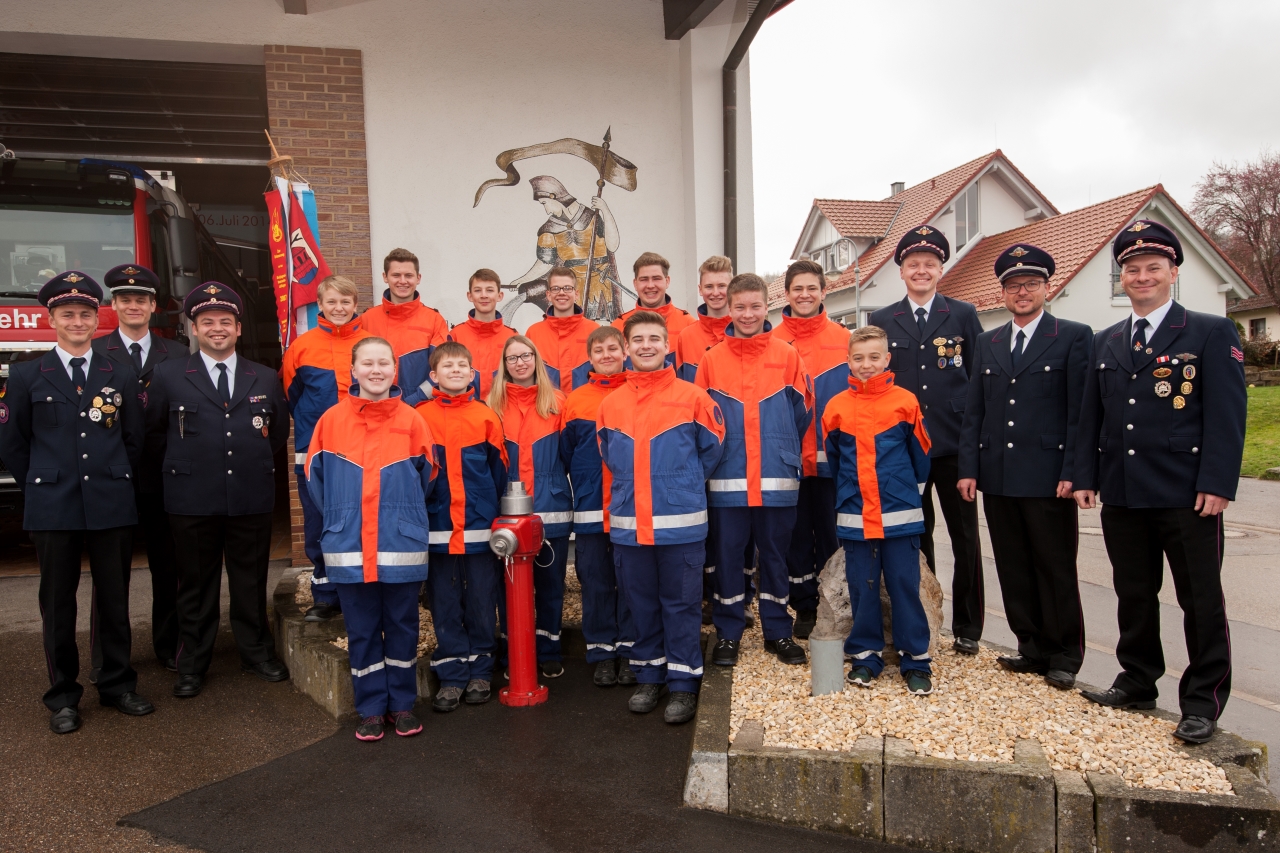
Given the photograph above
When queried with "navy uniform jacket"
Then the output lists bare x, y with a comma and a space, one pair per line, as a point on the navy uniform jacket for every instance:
940, 380
217, 461
1162, 437
75, 467
147, 475
1020, 427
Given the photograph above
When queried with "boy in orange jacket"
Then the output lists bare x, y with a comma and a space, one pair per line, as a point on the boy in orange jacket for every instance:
561, 337
483, 333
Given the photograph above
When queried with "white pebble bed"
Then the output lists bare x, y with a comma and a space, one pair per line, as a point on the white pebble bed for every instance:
975, 713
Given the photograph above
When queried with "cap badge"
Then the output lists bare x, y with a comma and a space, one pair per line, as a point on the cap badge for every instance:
212, 290
1019, 252
1139, 226
131, 271
73, 278
924, 231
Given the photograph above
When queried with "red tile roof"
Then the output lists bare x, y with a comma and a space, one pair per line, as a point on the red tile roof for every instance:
1072, 238
1253, 303
858, 218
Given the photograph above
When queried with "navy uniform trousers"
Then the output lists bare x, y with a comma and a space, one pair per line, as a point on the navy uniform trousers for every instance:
813, 541
771, 528
464, 590
606, 622
382, 633
322, 589
898, 561
662, 586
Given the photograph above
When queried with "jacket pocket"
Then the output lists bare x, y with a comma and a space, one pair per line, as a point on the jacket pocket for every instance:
185, 413
984, 442
1048, 375
269, 466
40, 476
1106, 379
1053, 442
899, 344
121, 472
1184, 443
414, 532
791, 459
335, 522
958, 403
46, 411
176, 466
991, 380
1102, 444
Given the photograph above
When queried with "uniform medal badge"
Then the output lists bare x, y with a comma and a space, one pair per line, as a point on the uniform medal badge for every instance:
942, 363
957, 361
937, 342
1187, 356
117, 399
1179, 403
942, 350
4, 413
1186, 389
95, 415
97, 401
108, 409
1162, 373
1189, 372
257, 422
1163, 389
1163, 359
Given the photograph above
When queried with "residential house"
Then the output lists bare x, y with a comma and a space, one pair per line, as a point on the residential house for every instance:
1258, 316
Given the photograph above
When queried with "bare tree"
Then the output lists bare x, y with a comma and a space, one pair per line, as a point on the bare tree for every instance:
1240, 206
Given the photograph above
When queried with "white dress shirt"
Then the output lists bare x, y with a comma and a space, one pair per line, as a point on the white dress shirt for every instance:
928, 307
66, 361
211, 365
145, 343
1029, 329
1155, 318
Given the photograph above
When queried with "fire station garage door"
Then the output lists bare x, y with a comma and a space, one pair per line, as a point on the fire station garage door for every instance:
138, 111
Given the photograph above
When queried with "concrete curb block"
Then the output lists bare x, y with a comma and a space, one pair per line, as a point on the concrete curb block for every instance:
882, 790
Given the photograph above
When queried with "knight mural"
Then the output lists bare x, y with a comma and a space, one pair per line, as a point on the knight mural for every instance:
582, 237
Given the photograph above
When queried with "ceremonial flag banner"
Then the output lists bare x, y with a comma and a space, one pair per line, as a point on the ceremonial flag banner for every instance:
297, 266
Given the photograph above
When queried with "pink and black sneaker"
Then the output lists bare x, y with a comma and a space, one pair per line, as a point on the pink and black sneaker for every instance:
406, 724
370, 728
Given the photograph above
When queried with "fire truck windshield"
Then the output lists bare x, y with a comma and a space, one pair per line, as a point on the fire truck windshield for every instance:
37, 243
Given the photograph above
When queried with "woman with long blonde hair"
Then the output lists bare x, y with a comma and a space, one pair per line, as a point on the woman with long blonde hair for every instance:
531, 408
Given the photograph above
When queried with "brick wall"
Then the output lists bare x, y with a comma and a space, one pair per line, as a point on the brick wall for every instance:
315, 110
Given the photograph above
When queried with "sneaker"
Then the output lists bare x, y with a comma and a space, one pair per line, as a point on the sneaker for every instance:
551, 668
786, 650
477, 692
919, 683
681, 707
406, 724
861, 676
446, 699
725, 653
626, 675
606, 674
806, 620
645, 699
370, 728
322, 612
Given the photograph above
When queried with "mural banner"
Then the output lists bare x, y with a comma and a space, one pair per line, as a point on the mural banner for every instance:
612, 168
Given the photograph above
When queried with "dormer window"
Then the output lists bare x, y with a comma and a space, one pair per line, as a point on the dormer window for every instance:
968, 222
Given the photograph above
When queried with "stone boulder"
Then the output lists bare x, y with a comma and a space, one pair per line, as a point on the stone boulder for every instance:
835, 614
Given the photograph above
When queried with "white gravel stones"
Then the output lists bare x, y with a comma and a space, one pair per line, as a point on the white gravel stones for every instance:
975, 713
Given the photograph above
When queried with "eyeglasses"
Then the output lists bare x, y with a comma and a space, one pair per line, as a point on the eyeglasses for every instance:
565, 288
517, 359
1029, 286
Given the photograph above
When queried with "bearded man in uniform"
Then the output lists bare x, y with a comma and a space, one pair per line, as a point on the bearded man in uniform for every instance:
566, 240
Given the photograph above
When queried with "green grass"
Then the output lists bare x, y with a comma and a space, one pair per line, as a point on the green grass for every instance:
1262, 432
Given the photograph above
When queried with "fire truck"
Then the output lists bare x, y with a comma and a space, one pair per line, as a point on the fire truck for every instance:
92, 215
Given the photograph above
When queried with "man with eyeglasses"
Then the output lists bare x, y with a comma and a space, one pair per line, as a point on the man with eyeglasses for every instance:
561, 337
1017, 444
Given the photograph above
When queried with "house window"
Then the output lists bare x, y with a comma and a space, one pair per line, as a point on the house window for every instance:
819, 257
968, 223
1258, 328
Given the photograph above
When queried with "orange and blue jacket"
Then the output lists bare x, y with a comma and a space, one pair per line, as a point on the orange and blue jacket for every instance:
413, 330
370, 473
316, 374
581, 452
562, 343
484, 341
762, 389
695, 340
660, 439
533, 457
823, 345
677, 320
472, 463
878, 450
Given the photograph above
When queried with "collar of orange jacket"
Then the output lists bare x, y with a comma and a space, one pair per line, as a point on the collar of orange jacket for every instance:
480, 327
805, 327
877, 384
373, 411
649, 381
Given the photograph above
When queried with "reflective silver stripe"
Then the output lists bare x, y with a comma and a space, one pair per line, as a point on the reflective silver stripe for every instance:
727, 485
888, 519
658, 662
300, 458
660, 522
401, 558
679, 667
403, 664
748, 570
924, 656
344, 558
625, 643
767, 484
315, 581
373, 667
548, 635
922, 485
733, 600
708, 570
588, 517
606, 646
804, 578
767, 597
822, 456
442, 537
555, 517
865, 655
471, 659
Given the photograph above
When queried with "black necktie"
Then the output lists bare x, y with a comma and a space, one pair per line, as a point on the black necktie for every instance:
921, 316
1140, 334
135, 350
224, 385
1016, 355
77, 374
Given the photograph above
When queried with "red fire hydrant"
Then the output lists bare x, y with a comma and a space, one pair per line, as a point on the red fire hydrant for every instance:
516, 537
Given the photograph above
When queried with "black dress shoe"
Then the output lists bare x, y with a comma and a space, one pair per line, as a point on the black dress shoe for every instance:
786, 650
94, 674
1117, 698
725, 653
322, 612
1019, 663
268, 670
128, 703
1060, 679
1194, 729
64, 721
806, 621
188, 686
169, 663
965, 646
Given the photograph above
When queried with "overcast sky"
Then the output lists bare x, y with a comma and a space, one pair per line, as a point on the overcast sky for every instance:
1089, 99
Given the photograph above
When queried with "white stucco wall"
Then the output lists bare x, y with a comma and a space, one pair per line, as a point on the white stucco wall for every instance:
449, 85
